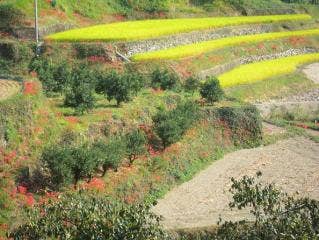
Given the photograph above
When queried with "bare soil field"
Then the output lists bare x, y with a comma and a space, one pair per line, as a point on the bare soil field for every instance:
292, 164
8, 88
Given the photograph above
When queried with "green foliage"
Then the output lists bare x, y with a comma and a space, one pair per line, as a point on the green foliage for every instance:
276, 214
69, 164
191, 84
165, 79
171, 125
10, 17
80, 216
110, 154
80, 94
135, 144
146, 5
121, 87
54, 78
245, 123
15, 52
211, 90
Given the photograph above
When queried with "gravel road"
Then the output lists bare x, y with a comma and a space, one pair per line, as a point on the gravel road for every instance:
293, 164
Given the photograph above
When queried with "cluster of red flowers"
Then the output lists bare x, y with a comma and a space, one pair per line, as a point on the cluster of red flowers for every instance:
21, 193
72, 119
95, 59
30, 88
95, 184
301, 125
295, 41
8, 157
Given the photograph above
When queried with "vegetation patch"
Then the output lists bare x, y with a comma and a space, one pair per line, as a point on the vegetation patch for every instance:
144, 29
202, 47
259, 71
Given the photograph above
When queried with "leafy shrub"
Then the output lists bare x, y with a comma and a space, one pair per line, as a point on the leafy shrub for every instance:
135, 144
245, 123
80, 95
146, 5
191, 84
121, 87
69, 164
54, 78
276, 214
165, 79
211, 90
80, 216
171, 125
10, 17
110, 154
14, 52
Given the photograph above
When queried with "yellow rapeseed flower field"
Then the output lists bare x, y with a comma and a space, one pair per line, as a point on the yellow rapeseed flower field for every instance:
145, 29
259, 71
206, 46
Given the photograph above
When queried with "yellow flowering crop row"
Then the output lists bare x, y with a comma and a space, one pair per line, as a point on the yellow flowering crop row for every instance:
145, 29
206, 46
259, 71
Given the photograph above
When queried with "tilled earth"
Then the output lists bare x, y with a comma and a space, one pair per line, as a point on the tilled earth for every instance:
8, 88
292, 164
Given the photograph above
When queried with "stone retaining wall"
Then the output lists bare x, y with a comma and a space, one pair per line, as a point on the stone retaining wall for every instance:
219, 69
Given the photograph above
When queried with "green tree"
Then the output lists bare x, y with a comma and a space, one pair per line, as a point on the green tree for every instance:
120, 87
191, 84
165, 79
69, 164
110, 154
82, 216
80, 94
276, 214
135, 144
211, 90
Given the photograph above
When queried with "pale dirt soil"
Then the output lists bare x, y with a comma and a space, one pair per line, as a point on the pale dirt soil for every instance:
292, 164
8, 88
312, 72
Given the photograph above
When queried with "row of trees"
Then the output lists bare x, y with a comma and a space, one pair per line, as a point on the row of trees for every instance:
81, 83
68, 164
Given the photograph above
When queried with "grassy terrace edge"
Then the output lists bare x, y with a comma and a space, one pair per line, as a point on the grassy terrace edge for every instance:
146, 29
263, 70
206, 46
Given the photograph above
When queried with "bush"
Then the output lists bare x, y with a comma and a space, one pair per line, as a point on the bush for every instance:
165, 79
15, 52
120, 87
245, 123
135, 144
69, 164
191, 84
171, 125
10, 17
211, 90
80, 95
80, 216
110, 154
150, 6
54, 78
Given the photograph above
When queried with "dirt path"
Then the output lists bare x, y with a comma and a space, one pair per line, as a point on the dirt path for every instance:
312, 72
293, 164
8, 88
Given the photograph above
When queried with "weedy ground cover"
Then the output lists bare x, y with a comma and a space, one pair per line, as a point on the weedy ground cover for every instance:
206, 46
259, 71
144, 29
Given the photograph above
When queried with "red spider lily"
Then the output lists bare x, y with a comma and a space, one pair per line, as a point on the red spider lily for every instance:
72, 119
95, 184
29, 200
30, 88
8, 157
94, 59
22, 189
